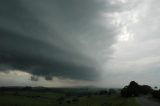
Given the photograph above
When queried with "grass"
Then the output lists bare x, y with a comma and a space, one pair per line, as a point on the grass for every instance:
119, 101
50, 99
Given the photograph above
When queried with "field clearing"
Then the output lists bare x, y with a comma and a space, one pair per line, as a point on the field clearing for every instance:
60, 99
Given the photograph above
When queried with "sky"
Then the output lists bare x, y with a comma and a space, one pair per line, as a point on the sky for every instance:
59, 43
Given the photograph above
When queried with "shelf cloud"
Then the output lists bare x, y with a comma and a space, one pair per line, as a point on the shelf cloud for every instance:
57, 38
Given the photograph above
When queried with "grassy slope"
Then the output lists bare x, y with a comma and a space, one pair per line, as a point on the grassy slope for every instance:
49, 99
119, 101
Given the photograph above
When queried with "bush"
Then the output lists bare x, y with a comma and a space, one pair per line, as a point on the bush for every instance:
156, 94
75, 100
68, 101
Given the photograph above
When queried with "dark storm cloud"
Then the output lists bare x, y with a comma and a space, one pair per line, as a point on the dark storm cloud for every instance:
34, 78
28, 54
53, 38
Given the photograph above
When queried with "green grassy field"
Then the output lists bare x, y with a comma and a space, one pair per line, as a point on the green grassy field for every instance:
50, 99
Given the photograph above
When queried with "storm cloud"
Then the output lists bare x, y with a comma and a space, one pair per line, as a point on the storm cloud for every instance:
55, 38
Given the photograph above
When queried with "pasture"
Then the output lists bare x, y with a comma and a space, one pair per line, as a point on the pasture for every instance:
32, 98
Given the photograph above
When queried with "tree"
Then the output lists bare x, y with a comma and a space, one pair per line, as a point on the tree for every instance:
156, 88
134, 89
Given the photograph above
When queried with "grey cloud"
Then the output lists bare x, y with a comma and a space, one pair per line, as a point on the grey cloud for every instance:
54, 38
34, 78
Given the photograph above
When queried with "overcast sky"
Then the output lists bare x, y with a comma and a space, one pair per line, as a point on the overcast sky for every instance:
57, 43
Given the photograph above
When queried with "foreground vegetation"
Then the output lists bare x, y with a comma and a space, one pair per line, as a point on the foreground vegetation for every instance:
30, 98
